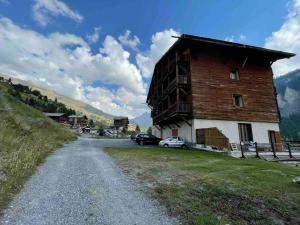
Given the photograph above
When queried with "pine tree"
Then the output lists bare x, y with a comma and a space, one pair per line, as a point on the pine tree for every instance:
137, 129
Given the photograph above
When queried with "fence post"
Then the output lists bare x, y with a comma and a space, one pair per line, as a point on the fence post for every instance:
273, 150
256, 150
242, 150
290, 151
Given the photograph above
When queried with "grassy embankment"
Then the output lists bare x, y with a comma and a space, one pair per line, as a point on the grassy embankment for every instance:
26, 138
210, 188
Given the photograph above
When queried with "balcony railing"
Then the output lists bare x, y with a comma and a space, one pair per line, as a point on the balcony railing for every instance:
173, 109
184, 107
183, 79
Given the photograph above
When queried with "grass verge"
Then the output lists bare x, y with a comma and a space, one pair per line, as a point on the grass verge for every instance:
27, 137
211, 188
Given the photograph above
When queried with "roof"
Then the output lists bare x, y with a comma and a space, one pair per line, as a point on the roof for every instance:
75, 116
54, 114
120, 118
272, 55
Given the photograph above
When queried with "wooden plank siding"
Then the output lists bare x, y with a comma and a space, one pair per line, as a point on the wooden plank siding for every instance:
212, 88
212, 137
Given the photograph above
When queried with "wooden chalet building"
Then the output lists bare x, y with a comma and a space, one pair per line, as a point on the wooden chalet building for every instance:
215, 92
58, 117
121, 121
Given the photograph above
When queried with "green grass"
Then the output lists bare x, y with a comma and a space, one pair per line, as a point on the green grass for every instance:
27, 137
211, 188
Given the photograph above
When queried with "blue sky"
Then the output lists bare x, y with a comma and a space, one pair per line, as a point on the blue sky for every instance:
103, 52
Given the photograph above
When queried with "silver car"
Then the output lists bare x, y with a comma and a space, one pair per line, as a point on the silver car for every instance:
173, 142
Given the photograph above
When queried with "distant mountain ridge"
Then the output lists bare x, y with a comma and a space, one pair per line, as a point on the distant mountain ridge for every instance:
143, 120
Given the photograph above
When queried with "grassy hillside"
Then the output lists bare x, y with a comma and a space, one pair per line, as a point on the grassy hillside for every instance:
26, 138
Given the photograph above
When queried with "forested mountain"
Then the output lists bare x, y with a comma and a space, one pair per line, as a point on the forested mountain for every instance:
288, 89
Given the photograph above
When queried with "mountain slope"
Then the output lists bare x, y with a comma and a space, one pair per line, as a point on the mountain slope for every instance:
27, 136
143, 120
78, 106
288, 89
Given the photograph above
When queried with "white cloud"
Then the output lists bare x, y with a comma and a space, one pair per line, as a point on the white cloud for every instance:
65, 63
242, 37
44, 10
128, 40
232, 38
287, 38
161, 42
94, 37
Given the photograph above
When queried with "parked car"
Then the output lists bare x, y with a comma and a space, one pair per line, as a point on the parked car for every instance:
142, 139
174, 142
133, 137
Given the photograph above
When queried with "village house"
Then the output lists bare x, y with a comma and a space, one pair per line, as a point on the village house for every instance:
58, 117
214, 92
121, 121
78, 121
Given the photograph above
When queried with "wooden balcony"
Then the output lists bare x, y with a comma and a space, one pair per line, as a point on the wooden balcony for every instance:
176, 109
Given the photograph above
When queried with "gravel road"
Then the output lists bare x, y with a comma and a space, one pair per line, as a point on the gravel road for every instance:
80, 184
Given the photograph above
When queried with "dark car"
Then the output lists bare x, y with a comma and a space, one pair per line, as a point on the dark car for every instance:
143, 139
133, 137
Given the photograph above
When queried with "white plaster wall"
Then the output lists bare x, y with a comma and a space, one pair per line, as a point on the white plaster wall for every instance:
184, 131
230, 129
155, 131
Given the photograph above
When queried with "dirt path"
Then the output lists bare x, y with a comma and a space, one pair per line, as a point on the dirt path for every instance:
80, 184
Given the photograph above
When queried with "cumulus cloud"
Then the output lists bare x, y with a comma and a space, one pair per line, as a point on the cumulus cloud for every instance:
93, 37
287, 38
44, 10
66, 64
161, 42
128, 40
240, 38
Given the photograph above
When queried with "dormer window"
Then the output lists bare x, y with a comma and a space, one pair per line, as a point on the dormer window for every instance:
238, 101
234, 74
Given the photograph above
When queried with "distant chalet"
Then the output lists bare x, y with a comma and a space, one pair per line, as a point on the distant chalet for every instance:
58, 117
215, 92
121, 121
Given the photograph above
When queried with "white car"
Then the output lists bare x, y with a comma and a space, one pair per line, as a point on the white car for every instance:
174, 142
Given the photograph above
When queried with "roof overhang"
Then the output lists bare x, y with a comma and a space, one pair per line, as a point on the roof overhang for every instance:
271, 55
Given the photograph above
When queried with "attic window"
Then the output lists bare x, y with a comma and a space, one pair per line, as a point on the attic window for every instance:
238, 101
234, 74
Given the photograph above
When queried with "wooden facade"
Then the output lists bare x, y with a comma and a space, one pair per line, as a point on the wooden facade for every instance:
192, 81
121, 122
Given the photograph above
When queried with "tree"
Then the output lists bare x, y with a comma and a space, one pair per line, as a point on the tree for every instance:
101, 131
91, 123
149, 131
124, 130
137, 129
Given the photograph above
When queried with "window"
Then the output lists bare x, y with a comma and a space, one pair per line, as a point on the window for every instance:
234, 74
238, 100
245, 131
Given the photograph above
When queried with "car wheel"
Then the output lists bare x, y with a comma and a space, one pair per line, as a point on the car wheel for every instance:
184, 146
166, 145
